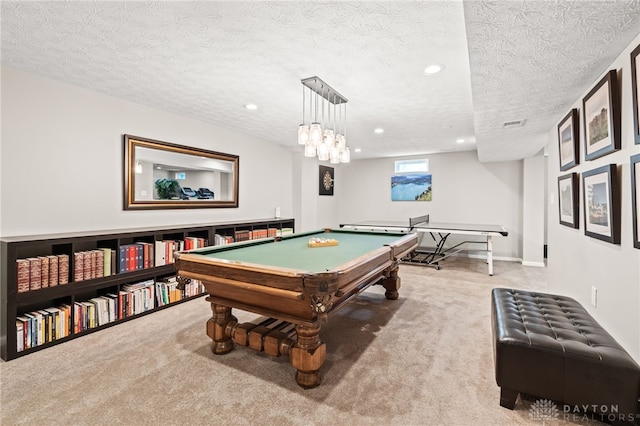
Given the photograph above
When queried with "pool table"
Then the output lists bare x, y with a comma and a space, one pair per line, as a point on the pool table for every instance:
294, 286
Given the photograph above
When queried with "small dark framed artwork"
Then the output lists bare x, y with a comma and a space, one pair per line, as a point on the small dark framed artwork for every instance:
601, 116
326, 181
601, 199
635, 92
568, 199
635, 198
568, 140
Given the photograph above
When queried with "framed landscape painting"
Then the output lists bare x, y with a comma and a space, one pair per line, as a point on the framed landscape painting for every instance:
635, 92
601, 118
568, 199
411, 187
568, 140
635, 198
601, 195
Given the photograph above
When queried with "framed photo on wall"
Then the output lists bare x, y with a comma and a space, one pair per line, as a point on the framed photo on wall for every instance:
601, 117
568, 199
635, 92
568, 141
635, 198
601, 199
411, 187
325, 180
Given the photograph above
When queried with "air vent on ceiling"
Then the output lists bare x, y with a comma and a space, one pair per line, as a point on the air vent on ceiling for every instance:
513, 123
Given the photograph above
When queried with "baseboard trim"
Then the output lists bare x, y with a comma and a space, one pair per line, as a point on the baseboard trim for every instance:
529, 263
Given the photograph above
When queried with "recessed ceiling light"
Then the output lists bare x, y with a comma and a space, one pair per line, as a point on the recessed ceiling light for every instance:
251, 106
433, 69
460, 140
357, 150
379, 130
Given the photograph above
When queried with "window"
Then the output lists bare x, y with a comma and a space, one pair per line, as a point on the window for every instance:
412, 166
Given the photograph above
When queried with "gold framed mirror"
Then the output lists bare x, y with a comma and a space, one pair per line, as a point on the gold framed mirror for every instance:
163, 175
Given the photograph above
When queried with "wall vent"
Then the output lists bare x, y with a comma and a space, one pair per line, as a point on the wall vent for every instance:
513, 123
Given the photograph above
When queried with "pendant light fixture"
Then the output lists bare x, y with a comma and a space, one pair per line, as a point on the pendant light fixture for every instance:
325, 138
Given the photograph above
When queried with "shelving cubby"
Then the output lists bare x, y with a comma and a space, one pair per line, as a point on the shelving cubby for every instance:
59, 297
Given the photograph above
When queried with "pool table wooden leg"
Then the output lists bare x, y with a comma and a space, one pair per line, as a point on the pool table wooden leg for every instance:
216, 329
391, 283
308, 355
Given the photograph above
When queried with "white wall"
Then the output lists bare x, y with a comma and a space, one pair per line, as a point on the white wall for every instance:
577, 262
62, 161
464, 190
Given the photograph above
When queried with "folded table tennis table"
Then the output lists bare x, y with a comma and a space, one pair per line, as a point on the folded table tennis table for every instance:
439, 232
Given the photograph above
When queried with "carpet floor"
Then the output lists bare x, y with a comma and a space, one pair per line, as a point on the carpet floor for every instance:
424, 359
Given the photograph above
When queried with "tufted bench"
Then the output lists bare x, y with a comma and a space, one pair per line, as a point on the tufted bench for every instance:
548, 346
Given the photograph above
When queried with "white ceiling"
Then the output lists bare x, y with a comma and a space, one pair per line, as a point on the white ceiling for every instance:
504, 61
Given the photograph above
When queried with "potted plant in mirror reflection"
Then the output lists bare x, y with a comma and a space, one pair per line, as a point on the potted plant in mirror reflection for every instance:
167, 188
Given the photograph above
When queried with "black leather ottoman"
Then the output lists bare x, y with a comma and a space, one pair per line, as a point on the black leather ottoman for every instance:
549, 347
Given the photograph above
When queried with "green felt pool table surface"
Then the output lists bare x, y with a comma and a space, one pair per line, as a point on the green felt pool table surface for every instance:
293, 252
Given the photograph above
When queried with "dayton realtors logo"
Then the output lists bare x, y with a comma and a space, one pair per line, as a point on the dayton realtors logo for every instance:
544, 409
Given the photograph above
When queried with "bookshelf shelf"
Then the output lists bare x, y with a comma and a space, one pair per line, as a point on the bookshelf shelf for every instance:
15, 305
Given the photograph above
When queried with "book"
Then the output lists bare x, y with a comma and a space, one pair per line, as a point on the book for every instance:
63, 269
106, 261
55, 326
44, 271
78, 266
53, 271
19, 335
160, 253
23, 274
99, 263
35, 273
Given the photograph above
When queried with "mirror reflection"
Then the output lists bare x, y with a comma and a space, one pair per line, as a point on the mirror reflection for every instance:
165, 175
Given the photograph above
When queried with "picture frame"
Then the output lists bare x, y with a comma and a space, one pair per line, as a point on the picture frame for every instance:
601, 200
635, 92
326, 180
635, 198
411, 187
568, 200
568, 141
601, 118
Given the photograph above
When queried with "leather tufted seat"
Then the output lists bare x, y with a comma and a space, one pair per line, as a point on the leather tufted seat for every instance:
548, 346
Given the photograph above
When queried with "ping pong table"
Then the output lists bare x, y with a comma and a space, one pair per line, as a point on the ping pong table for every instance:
439, 232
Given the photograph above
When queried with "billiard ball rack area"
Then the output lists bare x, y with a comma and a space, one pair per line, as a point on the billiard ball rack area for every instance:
15, 304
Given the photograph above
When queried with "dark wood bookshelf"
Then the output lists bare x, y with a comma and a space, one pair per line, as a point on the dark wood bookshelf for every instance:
15, 304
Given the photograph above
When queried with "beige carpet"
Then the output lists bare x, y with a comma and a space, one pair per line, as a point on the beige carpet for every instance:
425, 359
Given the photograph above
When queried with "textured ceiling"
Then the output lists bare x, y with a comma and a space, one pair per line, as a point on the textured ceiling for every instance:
503, 61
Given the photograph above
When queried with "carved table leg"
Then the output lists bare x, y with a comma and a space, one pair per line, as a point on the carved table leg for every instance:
392, 284
217, 326
308, 355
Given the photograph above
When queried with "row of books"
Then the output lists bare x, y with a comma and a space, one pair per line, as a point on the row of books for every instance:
38, 272
34, 273
39, 327
47, 325
245, 235
167, 290
90, 264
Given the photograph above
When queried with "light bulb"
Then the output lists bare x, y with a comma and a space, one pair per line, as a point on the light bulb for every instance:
329, 137
309, 150
334, 155
345, 156
323, 152
315, 134
303, 134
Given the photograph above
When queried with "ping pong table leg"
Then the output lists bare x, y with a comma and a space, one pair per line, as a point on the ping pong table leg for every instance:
490, 254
